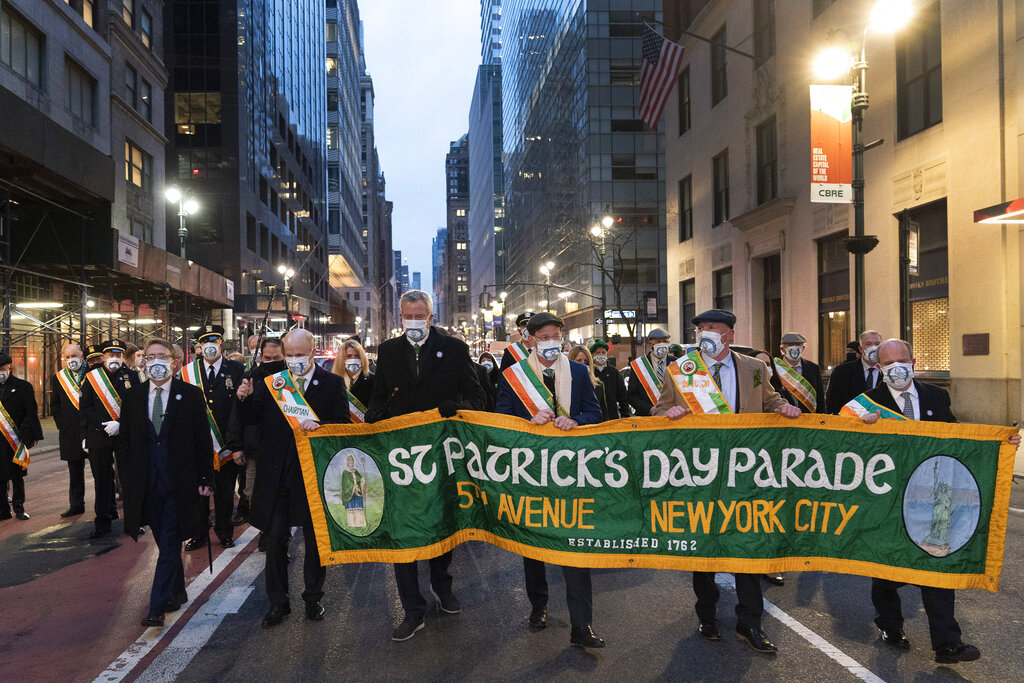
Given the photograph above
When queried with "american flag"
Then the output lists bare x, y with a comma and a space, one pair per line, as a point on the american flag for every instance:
661, 60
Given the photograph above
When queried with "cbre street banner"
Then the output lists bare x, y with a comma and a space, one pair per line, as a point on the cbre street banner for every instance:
919, 502
831, 144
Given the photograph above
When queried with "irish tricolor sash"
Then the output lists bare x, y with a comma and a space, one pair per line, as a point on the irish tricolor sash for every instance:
356, 410
697, 386
862, 405
105, 391
531, 389
644, 372
21, 457
193, 374
518, 351
69, 384
797, 385
288, 398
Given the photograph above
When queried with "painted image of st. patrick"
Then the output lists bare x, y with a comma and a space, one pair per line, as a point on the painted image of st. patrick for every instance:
354, 492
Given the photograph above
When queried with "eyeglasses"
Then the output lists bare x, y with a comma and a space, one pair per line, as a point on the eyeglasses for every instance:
159, 356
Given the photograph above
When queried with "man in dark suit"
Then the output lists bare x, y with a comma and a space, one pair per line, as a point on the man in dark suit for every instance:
165, 467
65, 396
279, 496
423, 370
854, 377
647, 373
792, 349
915, 400
568, 386
99, 424
219, 380
743, 384
611, 379
18, 399
521, 347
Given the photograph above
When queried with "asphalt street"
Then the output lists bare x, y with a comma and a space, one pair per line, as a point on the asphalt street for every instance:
70, 607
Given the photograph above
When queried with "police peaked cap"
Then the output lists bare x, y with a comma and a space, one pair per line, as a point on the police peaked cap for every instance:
114, 345
209, 331
93, 350
522, 319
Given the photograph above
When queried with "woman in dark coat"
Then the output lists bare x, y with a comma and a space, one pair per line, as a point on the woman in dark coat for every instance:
490, 367
19, 401
357, 375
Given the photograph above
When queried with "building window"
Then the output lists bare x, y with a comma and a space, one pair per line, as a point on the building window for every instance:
146, 28
685, 209
719, 82
819, 6
81, 93
929, 287
146, 101
720, 189
332, 31
919, 75
332, 137
128, 12
687, 309
833, 300
138, 166
333, 177
460, 212
332, 67
764, 31
131, 86
21, 47
459, 246
250, 233
723, 288
683, 93
767, 162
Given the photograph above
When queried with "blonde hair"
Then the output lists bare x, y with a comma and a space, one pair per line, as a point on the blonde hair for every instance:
236, 356
578, 349
339, 368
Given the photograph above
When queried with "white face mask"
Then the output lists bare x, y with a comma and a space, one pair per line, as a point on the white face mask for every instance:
549, 350
3, 376
211, 350
113, 364
710, 343
159, 369
353, 365
771, 371
298, 365
898, 375
488, 365
524, 334
871, 354
416, 330
600, 361
660, 350
74, 364
794, 353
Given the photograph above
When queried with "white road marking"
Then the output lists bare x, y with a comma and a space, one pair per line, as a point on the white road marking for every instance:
819, 643
1017, 510
138, 650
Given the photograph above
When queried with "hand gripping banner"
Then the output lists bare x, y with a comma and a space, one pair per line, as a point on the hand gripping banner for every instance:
918, 502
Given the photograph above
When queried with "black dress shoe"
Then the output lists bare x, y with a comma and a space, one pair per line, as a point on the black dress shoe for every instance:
315, 611
538, 618
73, 512
98, 532
754, 637
407, 629
154, 618
894, 638
227, 543
709, 630
21, 515
447, 601
6, 515
276, 615
195, 543
956, 652
775, 579
585, 637
175, 602
238, 519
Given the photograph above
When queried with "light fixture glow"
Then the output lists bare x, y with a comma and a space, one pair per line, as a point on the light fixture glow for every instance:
888, 16
191, 206
173, 194
832, 63
607, 221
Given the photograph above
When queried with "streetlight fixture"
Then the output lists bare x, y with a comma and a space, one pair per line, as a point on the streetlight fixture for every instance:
288, 274
187, 205
546, 271
600, 230
887, 16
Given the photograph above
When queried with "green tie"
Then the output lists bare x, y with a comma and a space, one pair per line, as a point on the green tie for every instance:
716, 375
158, 409
301, 381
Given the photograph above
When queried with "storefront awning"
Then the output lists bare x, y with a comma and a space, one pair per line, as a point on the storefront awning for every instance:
1008, 212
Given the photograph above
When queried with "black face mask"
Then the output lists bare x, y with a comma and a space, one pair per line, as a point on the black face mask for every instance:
271, 367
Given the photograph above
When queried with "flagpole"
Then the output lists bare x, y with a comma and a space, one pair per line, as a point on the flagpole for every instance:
648, 20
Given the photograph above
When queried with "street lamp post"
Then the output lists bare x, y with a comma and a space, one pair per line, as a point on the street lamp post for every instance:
187, 205
288, 274
600, 230
546, 271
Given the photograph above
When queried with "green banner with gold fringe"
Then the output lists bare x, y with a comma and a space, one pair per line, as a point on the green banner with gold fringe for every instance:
920, 502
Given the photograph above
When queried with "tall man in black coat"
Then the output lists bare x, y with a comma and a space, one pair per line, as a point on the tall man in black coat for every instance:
165, 467
915, 400
19, 401
220, 380
279, 496
64, 399
423, 370
611, 379
99, 427
852, 378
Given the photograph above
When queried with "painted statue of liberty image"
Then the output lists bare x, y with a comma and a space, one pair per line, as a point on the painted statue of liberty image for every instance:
942, 512
353, 494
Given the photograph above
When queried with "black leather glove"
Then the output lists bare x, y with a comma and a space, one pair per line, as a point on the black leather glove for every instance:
448, 408
371, 417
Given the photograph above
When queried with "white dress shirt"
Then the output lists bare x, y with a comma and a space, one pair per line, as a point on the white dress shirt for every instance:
421, 342
727, 375
215, 365
915, 400
153, 386
868, 367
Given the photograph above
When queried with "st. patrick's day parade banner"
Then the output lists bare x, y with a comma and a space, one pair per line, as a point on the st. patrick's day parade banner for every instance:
920, 502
